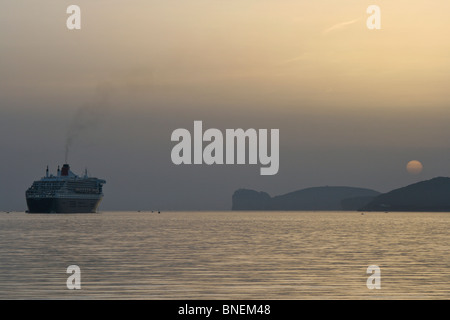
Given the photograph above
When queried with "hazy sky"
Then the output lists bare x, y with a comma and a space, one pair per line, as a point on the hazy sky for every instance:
353, 105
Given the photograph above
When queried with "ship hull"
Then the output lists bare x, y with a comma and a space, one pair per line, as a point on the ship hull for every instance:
61, 205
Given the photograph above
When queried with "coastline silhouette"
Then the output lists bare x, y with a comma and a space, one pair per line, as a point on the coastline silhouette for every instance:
429, 195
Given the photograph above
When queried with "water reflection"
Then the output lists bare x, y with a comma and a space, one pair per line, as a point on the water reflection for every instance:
225, 255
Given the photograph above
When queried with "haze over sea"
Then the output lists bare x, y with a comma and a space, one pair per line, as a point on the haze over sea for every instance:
225, 255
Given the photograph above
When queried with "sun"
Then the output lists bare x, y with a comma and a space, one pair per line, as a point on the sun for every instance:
414, 167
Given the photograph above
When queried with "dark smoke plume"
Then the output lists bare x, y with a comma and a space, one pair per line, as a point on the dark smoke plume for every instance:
88, 116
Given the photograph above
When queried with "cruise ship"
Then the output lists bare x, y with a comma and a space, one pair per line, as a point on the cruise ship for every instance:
65, 193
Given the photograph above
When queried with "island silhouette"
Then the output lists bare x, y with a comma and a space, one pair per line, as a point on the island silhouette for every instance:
430, 195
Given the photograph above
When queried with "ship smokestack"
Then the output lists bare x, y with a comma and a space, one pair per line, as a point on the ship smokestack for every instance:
46, 172
65, 170
58, 172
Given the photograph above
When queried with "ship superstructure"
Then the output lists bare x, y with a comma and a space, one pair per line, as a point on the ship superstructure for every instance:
65, 193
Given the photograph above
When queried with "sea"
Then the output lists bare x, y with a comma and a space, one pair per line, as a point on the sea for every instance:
229, 255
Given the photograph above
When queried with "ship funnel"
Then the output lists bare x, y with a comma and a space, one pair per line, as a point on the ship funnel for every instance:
65, 170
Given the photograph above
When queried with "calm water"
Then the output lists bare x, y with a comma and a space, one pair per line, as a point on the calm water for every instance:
225, 255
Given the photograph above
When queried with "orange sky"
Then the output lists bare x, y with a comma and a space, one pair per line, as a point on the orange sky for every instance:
305, 51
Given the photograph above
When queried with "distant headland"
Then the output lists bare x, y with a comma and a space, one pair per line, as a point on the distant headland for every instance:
317, 198
429, 195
